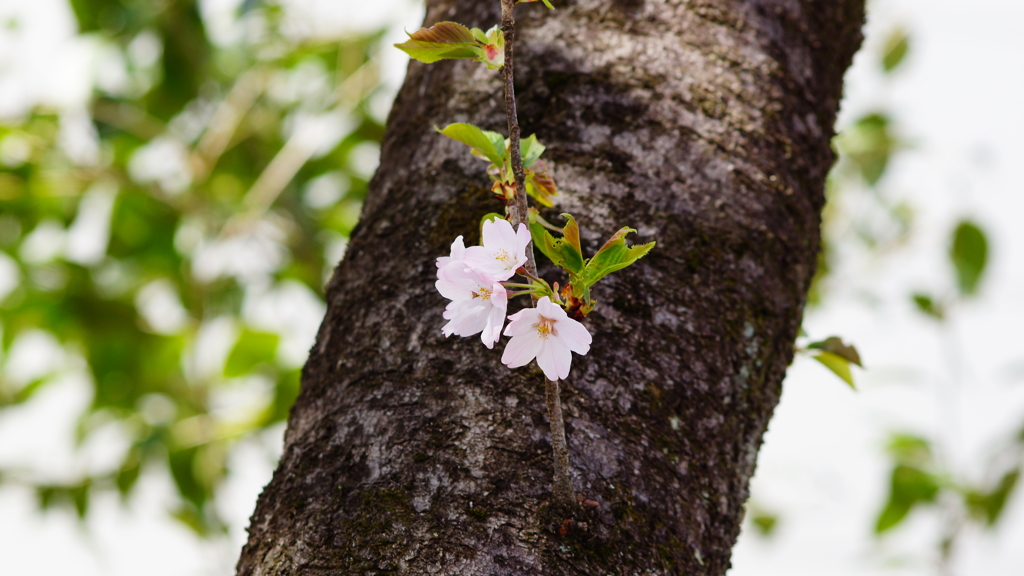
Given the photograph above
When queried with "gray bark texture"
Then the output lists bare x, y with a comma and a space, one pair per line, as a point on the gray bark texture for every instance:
705, 124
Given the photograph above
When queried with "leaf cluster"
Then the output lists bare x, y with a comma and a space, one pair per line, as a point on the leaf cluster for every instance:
491, 146
566, 252
217, 115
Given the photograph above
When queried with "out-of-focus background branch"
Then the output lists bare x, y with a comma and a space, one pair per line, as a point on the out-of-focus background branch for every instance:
178, 178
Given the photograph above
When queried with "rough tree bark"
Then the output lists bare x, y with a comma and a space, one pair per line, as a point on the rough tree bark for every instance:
705, 124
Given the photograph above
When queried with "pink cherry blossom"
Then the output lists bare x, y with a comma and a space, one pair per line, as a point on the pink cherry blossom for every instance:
504, 250
478, 302
547, 334
458, 253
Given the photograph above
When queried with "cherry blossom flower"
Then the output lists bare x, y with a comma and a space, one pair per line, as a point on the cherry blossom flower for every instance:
547, 334
504, 250
458, 253
478, 302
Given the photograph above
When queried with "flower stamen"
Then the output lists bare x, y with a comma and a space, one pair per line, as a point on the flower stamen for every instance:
546, 327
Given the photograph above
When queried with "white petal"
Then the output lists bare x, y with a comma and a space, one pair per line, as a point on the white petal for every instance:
468, 317
495, 321
522, 322
573, 335
458, 248
549, 310
483, 261
520, 350
498, 235
554, 359
496, 316
522, 240
454, 282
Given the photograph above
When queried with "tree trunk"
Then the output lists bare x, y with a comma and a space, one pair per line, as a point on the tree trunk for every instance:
705, 124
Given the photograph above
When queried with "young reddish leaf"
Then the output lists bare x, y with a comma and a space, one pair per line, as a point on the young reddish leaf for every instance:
572, 232
442, 41
444, 33
541, 184
835, 345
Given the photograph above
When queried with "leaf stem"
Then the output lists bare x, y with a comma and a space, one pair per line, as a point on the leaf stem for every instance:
564, 496
520, 293
531, 287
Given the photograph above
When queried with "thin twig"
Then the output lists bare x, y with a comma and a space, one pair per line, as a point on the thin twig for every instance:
562, 484
564, 495
518, 208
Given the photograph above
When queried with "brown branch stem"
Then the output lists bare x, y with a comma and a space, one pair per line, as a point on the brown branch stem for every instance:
564, 495
518, 208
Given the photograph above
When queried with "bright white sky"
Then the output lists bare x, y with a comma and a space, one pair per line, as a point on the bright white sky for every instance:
957, 98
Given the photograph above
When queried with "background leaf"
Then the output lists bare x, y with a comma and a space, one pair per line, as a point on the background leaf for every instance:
835, 345
895, 50
969, 255
837, 364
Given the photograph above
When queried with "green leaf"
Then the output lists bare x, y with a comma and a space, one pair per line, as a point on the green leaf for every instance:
909, 449
613, 256
530, 149
969, 254
989, 506
560, 251
183, 470
126, 478
80, 498
895, 50
869, 144
837, 364
835, 345
251, 350
765, 523
442, 41
928, 306
490, 144
909, 487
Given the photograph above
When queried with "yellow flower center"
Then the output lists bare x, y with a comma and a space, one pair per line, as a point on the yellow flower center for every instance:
482, 293
503, 256
546, 327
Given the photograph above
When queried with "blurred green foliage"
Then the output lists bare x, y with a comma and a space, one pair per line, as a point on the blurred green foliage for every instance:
222, 172
860, 208
895, 50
